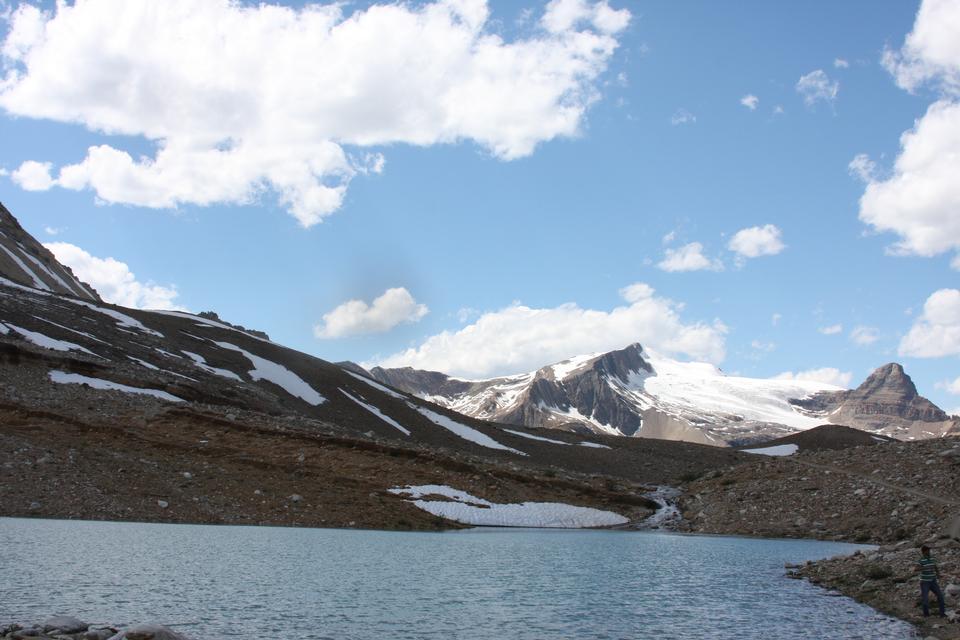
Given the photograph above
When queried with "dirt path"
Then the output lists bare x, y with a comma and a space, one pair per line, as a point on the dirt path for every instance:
882, 483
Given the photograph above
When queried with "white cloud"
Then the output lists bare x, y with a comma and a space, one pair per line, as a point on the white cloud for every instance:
356, 317
682, 116
831, 330
114, 280
669, 237
840, 63
920, 199
778, 110
4, 172
52, 231
864, 336
776, 318
759, 345
689, 257
754, 242
931, 52
33, 176
245, 99
936, 332
750, 101
817, 86
950, 386
826, 375
520, 338
863, 167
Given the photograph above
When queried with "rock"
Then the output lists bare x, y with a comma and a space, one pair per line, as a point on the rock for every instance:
952, 590
163, 504
187, 475
148, 632
64, 624
34, 506
296, 498
99, 634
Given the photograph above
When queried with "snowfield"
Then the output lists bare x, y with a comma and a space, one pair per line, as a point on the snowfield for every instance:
468, 509
462, 430
279, 375
201, 363
62, 377
372, 409
778, 450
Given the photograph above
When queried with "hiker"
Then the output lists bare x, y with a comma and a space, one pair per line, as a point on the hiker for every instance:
929, 572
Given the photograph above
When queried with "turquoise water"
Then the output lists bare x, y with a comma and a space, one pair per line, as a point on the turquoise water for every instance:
261, 582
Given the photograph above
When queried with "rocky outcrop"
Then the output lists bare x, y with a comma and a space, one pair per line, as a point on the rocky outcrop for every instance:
25, 261
70, 628
886, 402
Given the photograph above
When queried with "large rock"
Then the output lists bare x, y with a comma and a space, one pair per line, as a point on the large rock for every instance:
64, 624
148, 632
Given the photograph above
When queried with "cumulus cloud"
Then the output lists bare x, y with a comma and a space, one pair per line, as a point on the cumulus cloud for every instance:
244, 99
33, 176
920, 198
831, 330
356, 317
754, 242
863, 167
931, 51
936, 332
826, 375
950, 386
750, 101
864, 336
817, 86
689, 257
682, 116
520, 338
114, 280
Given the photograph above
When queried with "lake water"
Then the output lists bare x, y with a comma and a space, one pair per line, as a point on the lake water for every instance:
261, 582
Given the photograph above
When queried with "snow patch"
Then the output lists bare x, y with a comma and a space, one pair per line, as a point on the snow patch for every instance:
372, 409
209, 323
40, 284
201, 363
43, 267
376, 385
462, 430
594, 445
533, 437
469, 509
79, 333
279, 375
122, 319
144, 363
563, 369
47, 342
778, 450
61, 377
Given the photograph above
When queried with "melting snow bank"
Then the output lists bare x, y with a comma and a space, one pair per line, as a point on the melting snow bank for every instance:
779, 450
667, 515
63, 377
462, 430
372, 409
287, 380
468, 509
45, 341
201, 363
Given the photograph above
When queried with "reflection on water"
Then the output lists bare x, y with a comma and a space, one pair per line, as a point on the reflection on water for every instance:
232, 582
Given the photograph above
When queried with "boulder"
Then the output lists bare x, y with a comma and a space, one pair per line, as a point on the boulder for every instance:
148, 632
64, 624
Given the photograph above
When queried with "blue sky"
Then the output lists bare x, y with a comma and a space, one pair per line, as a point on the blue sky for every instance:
491, 234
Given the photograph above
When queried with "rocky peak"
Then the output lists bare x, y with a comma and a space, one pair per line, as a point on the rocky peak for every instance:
890, 380
620, 364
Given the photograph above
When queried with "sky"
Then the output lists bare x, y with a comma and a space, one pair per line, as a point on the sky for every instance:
483, 188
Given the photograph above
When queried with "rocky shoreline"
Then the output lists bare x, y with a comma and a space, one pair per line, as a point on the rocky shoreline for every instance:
71, 628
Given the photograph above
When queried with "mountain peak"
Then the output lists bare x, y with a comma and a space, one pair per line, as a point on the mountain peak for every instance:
890, 378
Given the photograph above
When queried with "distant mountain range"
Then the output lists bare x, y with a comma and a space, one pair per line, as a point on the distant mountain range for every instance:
636, 392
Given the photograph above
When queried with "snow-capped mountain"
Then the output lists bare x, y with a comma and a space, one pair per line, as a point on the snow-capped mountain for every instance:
636, 392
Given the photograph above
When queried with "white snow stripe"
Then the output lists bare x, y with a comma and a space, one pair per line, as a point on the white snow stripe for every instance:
201, 363
778, 450
43, 267
61, 377
279, 375
47, 342
121, 319
533, 437
40, 284
465, 432
376, 385
372, 409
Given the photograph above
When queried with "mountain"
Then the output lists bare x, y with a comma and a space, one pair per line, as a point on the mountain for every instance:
110, 412
25, 261
636, 392
888, 402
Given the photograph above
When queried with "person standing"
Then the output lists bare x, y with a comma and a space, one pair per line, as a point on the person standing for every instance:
929, 572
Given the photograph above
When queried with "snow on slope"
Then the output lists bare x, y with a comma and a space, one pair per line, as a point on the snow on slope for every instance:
696, 388
62, 377
563, 369
47, 342
372, 409
37, 282
777, 450
201, 363
462, 430
279, 375
530, 436
469, 509
376, 385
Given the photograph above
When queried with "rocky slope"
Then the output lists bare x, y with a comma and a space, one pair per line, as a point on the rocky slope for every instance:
103, 410
635, 392
25, 261
886, 402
